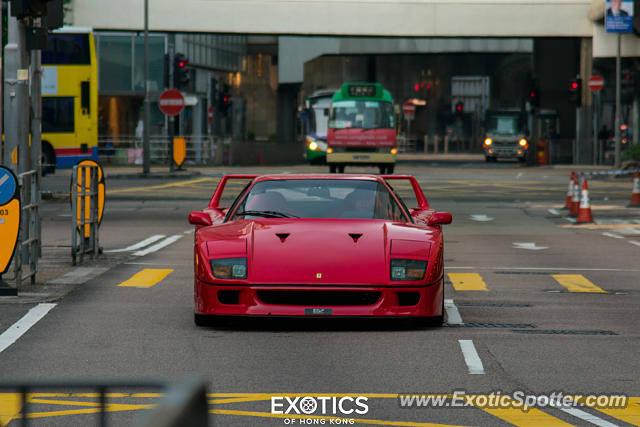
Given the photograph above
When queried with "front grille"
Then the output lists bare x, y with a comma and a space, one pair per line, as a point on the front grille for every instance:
319, 298
229, 297
408, 298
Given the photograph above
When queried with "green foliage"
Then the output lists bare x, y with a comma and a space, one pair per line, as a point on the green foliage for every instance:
632, 153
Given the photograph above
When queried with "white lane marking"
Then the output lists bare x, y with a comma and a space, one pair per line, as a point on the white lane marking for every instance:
481, 218
553, 212
519, 175
453, 315
471, 357
619, 270
615, 236
585, 416
79, 275
637, 221
531, 246
166, 242
570, 219
191, 231
19, 328
141, 244
628, 231
633, 242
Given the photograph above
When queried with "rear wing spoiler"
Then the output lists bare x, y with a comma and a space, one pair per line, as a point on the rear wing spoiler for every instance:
217, 195
422, 201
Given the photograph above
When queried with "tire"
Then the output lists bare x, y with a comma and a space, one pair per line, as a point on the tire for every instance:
382, 169
48, 159
340, 169
390, 169
491, 159
332, 168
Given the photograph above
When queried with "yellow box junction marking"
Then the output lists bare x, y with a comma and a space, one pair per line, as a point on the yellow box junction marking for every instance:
162, 186
10, 406
146, 278
577, 283
630, 414
467, 282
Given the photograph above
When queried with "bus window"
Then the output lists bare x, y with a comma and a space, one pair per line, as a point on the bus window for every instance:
57, 115
67, 49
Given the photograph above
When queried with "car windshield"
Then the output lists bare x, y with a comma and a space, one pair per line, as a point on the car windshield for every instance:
319, 198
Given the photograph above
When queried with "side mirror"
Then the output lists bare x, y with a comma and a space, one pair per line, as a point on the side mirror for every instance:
440, 218
199, 218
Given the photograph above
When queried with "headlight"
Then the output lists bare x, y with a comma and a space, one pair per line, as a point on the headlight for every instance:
313, 146
523, 142
408, 269
488, 142
394, 150
229, 268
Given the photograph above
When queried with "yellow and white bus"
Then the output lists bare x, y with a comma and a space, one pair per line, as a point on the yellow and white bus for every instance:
69, 99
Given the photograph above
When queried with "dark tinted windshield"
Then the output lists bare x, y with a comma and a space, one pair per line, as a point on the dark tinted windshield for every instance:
320, 198
71, 49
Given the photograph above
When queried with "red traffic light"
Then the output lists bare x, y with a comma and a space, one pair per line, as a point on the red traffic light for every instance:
459, 107
574, 85
416, 87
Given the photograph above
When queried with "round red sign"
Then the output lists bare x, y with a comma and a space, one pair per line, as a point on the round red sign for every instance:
408, 107
171, 102
595, 83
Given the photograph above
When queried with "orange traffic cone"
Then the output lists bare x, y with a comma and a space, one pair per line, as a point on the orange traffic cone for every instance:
567, 203
635, 192
584, 213
575, 198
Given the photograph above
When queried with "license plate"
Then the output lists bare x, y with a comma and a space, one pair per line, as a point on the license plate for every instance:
362, 157
318, 311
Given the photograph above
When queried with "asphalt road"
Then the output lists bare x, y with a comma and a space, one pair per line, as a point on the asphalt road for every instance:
544, 306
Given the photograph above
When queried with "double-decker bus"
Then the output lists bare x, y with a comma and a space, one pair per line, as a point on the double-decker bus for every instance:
361, 128
69, 99
316, 124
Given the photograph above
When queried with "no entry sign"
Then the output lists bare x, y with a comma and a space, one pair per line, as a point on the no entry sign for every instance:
409, 109
595, 83
171, 102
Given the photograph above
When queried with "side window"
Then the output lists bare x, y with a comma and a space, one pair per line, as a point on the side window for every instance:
236, 201
386, 207
57, 114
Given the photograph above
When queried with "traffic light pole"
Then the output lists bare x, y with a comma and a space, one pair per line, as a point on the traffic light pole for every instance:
171, 119
146, 155
618, 161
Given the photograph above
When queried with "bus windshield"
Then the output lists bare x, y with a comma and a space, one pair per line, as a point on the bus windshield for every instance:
361, 114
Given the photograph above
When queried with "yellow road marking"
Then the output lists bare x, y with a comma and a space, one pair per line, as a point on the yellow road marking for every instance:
108, 395
10, 405
577, 283
630, 414
111, 407
162, 186
318, 417
146, 278
467, 282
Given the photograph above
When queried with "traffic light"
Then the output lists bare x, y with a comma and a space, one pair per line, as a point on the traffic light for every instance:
459, 107
533, 96
181, 75
224, 100
628, 86
575, 91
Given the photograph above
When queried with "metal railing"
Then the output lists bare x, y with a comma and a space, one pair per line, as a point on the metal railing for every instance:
84, 212
183, 405
127, 149
29, 245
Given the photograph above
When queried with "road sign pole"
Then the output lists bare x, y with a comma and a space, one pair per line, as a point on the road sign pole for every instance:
618, 161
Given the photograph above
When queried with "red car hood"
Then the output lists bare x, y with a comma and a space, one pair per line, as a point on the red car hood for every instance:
318, 251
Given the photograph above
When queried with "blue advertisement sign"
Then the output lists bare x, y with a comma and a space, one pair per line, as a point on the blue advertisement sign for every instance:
618, 16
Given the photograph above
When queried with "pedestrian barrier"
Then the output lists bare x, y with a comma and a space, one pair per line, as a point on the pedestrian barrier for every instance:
184, 403
584, 213
85, 217
635, 191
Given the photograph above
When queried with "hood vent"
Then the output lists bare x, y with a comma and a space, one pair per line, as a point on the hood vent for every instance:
355, 236
283, 236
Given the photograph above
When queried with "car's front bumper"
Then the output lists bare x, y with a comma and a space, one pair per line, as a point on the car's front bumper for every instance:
292, 300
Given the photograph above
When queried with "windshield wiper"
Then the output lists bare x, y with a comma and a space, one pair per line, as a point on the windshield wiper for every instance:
267, 214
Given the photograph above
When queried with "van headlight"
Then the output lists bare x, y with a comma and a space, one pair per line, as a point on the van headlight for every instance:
229, 268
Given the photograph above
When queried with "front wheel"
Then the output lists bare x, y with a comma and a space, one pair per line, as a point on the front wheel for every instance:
332, 168
340, 169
